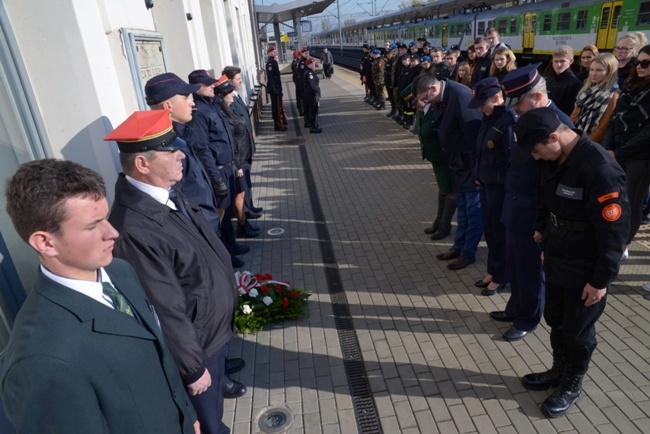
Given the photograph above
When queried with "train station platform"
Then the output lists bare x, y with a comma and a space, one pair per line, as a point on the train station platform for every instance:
393, 341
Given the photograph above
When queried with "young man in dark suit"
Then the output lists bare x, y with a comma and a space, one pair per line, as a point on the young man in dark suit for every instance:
86, 352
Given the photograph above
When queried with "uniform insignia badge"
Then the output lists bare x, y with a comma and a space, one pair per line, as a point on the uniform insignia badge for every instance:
612, 212
490, 144
608, 196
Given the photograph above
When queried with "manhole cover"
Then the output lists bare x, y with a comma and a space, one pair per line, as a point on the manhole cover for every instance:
275, 419
275, 231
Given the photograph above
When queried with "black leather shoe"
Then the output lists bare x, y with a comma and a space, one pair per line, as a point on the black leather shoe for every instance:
450, 254
500, 315
460, 263
253, 215
440, 234
432, 229
482, 284
257, 209
561, 401
315, 130
490, 292
234, 365
233, 389
514, 334
544, 380
246, 232
240, 249
236, 262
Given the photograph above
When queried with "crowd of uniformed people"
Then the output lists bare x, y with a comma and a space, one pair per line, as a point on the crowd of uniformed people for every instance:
553, 172
185, 174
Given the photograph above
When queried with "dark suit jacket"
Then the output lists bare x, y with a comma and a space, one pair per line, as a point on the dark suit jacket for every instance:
458, 127
74, 365
239, 108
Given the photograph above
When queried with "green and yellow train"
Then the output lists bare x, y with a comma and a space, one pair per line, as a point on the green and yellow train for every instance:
531, 30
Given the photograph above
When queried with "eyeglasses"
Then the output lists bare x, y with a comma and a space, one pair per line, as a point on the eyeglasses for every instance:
622, 48
642, 63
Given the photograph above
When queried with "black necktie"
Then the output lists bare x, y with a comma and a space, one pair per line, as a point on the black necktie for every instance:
178, 201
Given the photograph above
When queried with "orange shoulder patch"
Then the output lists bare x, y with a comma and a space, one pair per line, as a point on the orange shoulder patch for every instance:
608, 196
612, 212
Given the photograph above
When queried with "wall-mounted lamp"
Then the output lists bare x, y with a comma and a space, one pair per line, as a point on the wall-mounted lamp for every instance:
148, 4
189, 16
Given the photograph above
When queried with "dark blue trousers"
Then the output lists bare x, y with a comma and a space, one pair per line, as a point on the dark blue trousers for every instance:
526, 304
209, 404
492, 197
470, 223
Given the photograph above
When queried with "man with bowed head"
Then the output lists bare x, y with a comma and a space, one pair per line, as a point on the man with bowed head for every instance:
182, 264
86, 353
583, 220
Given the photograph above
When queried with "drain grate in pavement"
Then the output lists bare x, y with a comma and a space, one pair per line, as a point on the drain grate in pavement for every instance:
364, 404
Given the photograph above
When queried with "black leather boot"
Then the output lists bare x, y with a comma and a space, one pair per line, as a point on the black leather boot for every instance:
444, 229
436, 222
544, 380
568, 392
400, 118
391, 113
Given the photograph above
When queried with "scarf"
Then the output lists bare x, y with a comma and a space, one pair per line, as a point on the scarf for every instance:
592, 102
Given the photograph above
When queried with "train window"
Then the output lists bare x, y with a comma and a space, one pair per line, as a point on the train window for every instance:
616, 16
546, 26
468, 29
490, 24
501, 26
481, 28
563, 21
604, 20
643, 17
581, 22
513, 26
460, 30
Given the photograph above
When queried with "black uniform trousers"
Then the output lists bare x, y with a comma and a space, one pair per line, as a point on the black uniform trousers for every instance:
300, 96
311, 110
573, 331
492, 197
526, 303
275, 107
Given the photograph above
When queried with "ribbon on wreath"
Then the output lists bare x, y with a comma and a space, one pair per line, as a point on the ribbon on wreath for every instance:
245, 281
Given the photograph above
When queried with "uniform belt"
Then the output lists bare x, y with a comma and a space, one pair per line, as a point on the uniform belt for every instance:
224, 165
570, 225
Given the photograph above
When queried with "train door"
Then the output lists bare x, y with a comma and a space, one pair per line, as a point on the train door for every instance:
444, 35
610, 13
529, 31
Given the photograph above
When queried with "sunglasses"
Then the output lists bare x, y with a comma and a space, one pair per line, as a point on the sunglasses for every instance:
642, 63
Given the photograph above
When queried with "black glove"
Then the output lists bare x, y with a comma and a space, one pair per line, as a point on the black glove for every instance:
220, 188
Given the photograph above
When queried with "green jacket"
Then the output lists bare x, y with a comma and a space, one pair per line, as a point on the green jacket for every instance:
428, 133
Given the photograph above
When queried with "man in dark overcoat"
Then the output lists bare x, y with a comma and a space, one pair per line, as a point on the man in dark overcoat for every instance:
182, 264
458, 126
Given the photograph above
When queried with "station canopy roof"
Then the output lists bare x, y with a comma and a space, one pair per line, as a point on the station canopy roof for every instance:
276, 13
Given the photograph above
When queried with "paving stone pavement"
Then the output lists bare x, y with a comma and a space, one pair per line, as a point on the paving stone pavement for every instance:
434, 359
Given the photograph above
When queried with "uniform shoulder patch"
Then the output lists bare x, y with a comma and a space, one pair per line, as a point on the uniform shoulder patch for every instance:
612, 212
380, 64
608, 196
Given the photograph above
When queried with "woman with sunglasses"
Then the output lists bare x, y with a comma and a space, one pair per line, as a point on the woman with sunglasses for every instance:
628, 136
597, 98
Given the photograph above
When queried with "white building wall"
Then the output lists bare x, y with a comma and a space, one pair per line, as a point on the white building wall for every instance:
76, 61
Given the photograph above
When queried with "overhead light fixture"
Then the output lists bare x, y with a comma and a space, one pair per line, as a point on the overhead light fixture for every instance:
188, 16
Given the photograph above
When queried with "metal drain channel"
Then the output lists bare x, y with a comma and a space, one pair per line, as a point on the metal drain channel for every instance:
362, 399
